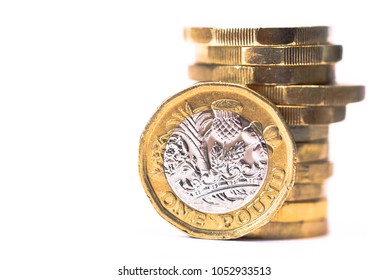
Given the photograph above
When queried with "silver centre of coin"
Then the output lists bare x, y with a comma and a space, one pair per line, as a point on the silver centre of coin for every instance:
216, 161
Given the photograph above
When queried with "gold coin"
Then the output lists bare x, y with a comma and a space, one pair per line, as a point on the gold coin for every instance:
311, 95
311, 115
309, 133
306, 211
257, 36
303, 192
312, 151
313, 172
275, 230
301, 74
204, 160
276, 55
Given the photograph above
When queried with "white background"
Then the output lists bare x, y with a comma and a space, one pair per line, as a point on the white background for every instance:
78, 82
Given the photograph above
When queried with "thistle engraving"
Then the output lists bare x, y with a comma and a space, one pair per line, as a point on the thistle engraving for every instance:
215, 160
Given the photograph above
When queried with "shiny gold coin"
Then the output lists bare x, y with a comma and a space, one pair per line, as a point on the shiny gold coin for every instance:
257, 36
309, 133
312, 151
311, 95
301, 74
306, 211
275, 230
309, 115
303, 192
276, 55
314, 172
205, 162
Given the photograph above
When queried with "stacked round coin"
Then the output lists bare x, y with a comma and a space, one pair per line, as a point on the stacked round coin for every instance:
294, 69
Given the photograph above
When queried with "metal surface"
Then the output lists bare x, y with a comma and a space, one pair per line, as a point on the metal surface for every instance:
313, 172
257, 36
310, 115
312, 151
304, 192
318, 74
309, 133
306, 211
276, 55
216, 161
258, 117
311, 95
290, 230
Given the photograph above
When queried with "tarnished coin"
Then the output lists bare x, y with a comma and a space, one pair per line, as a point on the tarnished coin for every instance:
257, 36
217, 160
301, 74
311, 95
275, 230
306, 211
303, 192
314, 172
275, 55
311, 115
309, 133
312, 151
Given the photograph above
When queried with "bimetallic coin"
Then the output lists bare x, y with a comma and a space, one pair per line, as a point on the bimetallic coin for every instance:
303, 192
309, 133
312, 151
275, 230
301, 74
307, 115
275, 55
217, 160
311, 95
306, 211
257, 36
314, 172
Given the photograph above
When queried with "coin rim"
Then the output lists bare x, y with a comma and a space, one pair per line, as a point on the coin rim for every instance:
269, 56
304, 35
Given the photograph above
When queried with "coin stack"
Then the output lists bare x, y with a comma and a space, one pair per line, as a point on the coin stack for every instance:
294, 69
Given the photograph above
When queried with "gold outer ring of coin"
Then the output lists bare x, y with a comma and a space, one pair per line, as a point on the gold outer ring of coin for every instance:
300, 74
275, 230
313, 172
304, 192
306, 211
257, 36
276, 186
276, 55
312, 151
311, 95
309, 133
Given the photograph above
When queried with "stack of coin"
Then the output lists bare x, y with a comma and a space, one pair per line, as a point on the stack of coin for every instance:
294, 69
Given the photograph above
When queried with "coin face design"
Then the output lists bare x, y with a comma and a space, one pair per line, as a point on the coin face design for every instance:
216, 161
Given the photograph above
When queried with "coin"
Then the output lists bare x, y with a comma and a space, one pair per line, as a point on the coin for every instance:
302, 192
301, 74
313, 172
312, 151
205, 163
311, 95
275, 230
309, 133
310, 115
257, 36
306, 211
275, 55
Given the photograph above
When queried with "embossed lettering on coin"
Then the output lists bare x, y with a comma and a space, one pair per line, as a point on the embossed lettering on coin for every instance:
216, 161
